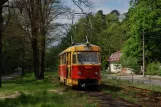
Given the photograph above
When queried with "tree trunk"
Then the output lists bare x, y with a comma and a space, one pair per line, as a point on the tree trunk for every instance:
35, 32
22, 63
1, 21
42, 68
35, 58
23, 71
42, 40
0, 57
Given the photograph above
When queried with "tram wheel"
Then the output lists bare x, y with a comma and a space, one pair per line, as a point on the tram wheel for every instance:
59, 79
65, 81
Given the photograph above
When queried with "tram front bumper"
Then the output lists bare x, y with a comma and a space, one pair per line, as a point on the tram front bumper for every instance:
88, 82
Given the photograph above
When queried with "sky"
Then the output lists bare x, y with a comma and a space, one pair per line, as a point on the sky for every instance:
109, 5
106, 5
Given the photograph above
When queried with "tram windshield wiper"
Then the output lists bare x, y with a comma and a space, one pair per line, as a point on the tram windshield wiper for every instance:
92, 63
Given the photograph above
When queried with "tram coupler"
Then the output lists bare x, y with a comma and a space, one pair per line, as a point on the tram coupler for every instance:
83, 85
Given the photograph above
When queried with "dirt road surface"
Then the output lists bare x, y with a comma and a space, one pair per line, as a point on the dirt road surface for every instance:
12, 76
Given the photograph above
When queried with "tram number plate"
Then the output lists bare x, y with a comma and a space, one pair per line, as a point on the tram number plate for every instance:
87, 48
88, 70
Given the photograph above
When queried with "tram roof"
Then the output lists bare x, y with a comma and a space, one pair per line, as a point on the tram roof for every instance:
80, 47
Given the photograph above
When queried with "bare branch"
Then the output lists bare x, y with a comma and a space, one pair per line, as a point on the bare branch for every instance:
78, 6
2, 2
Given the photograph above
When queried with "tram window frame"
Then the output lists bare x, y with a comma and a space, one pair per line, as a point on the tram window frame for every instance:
74, 61
60, 60
64, 59
99, 57
68, 57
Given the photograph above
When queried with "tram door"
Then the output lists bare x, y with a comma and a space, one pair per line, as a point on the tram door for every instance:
68, 65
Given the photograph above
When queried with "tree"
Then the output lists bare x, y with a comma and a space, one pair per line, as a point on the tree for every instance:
65, 35
38, 17
143, 19
53, 53
2, 2
39, 14
90, 25
107, 31
16, 46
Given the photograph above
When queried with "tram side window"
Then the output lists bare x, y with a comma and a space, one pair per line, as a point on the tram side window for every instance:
64, 59
74, 59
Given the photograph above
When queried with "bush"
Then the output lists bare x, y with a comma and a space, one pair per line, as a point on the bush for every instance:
154, 68
104, 65
130, 62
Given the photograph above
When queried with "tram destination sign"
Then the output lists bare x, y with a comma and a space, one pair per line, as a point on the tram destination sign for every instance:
87, 48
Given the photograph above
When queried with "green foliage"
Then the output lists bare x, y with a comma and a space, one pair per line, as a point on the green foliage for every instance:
112, 35
130, 62
107, 31
104, 65
130, 54
16, 48
104, 30
154, 68
51, 59
28, 84
44, 99
143, 18
52, 55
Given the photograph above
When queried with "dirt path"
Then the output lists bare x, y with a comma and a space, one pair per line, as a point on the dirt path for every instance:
145, 97
106, 100
114, 96
12, 76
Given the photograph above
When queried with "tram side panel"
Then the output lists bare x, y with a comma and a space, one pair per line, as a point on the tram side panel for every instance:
62, 68
63, 71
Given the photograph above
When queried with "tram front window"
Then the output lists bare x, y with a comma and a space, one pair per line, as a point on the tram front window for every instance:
88, 58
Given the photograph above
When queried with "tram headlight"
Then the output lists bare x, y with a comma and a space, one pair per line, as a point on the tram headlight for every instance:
96, 73
79, 73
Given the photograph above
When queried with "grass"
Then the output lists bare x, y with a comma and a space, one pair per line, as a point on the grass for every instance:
28, 92
28, 84
46, 99
116, 81
117, 91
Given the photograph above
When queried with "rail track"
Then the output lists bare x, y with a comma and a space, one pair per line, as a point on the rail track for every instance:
145, 97
97, 95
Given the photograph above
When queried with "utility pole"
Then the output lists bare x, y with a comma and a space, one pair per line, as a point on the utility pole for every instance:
144, 47
143, 54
